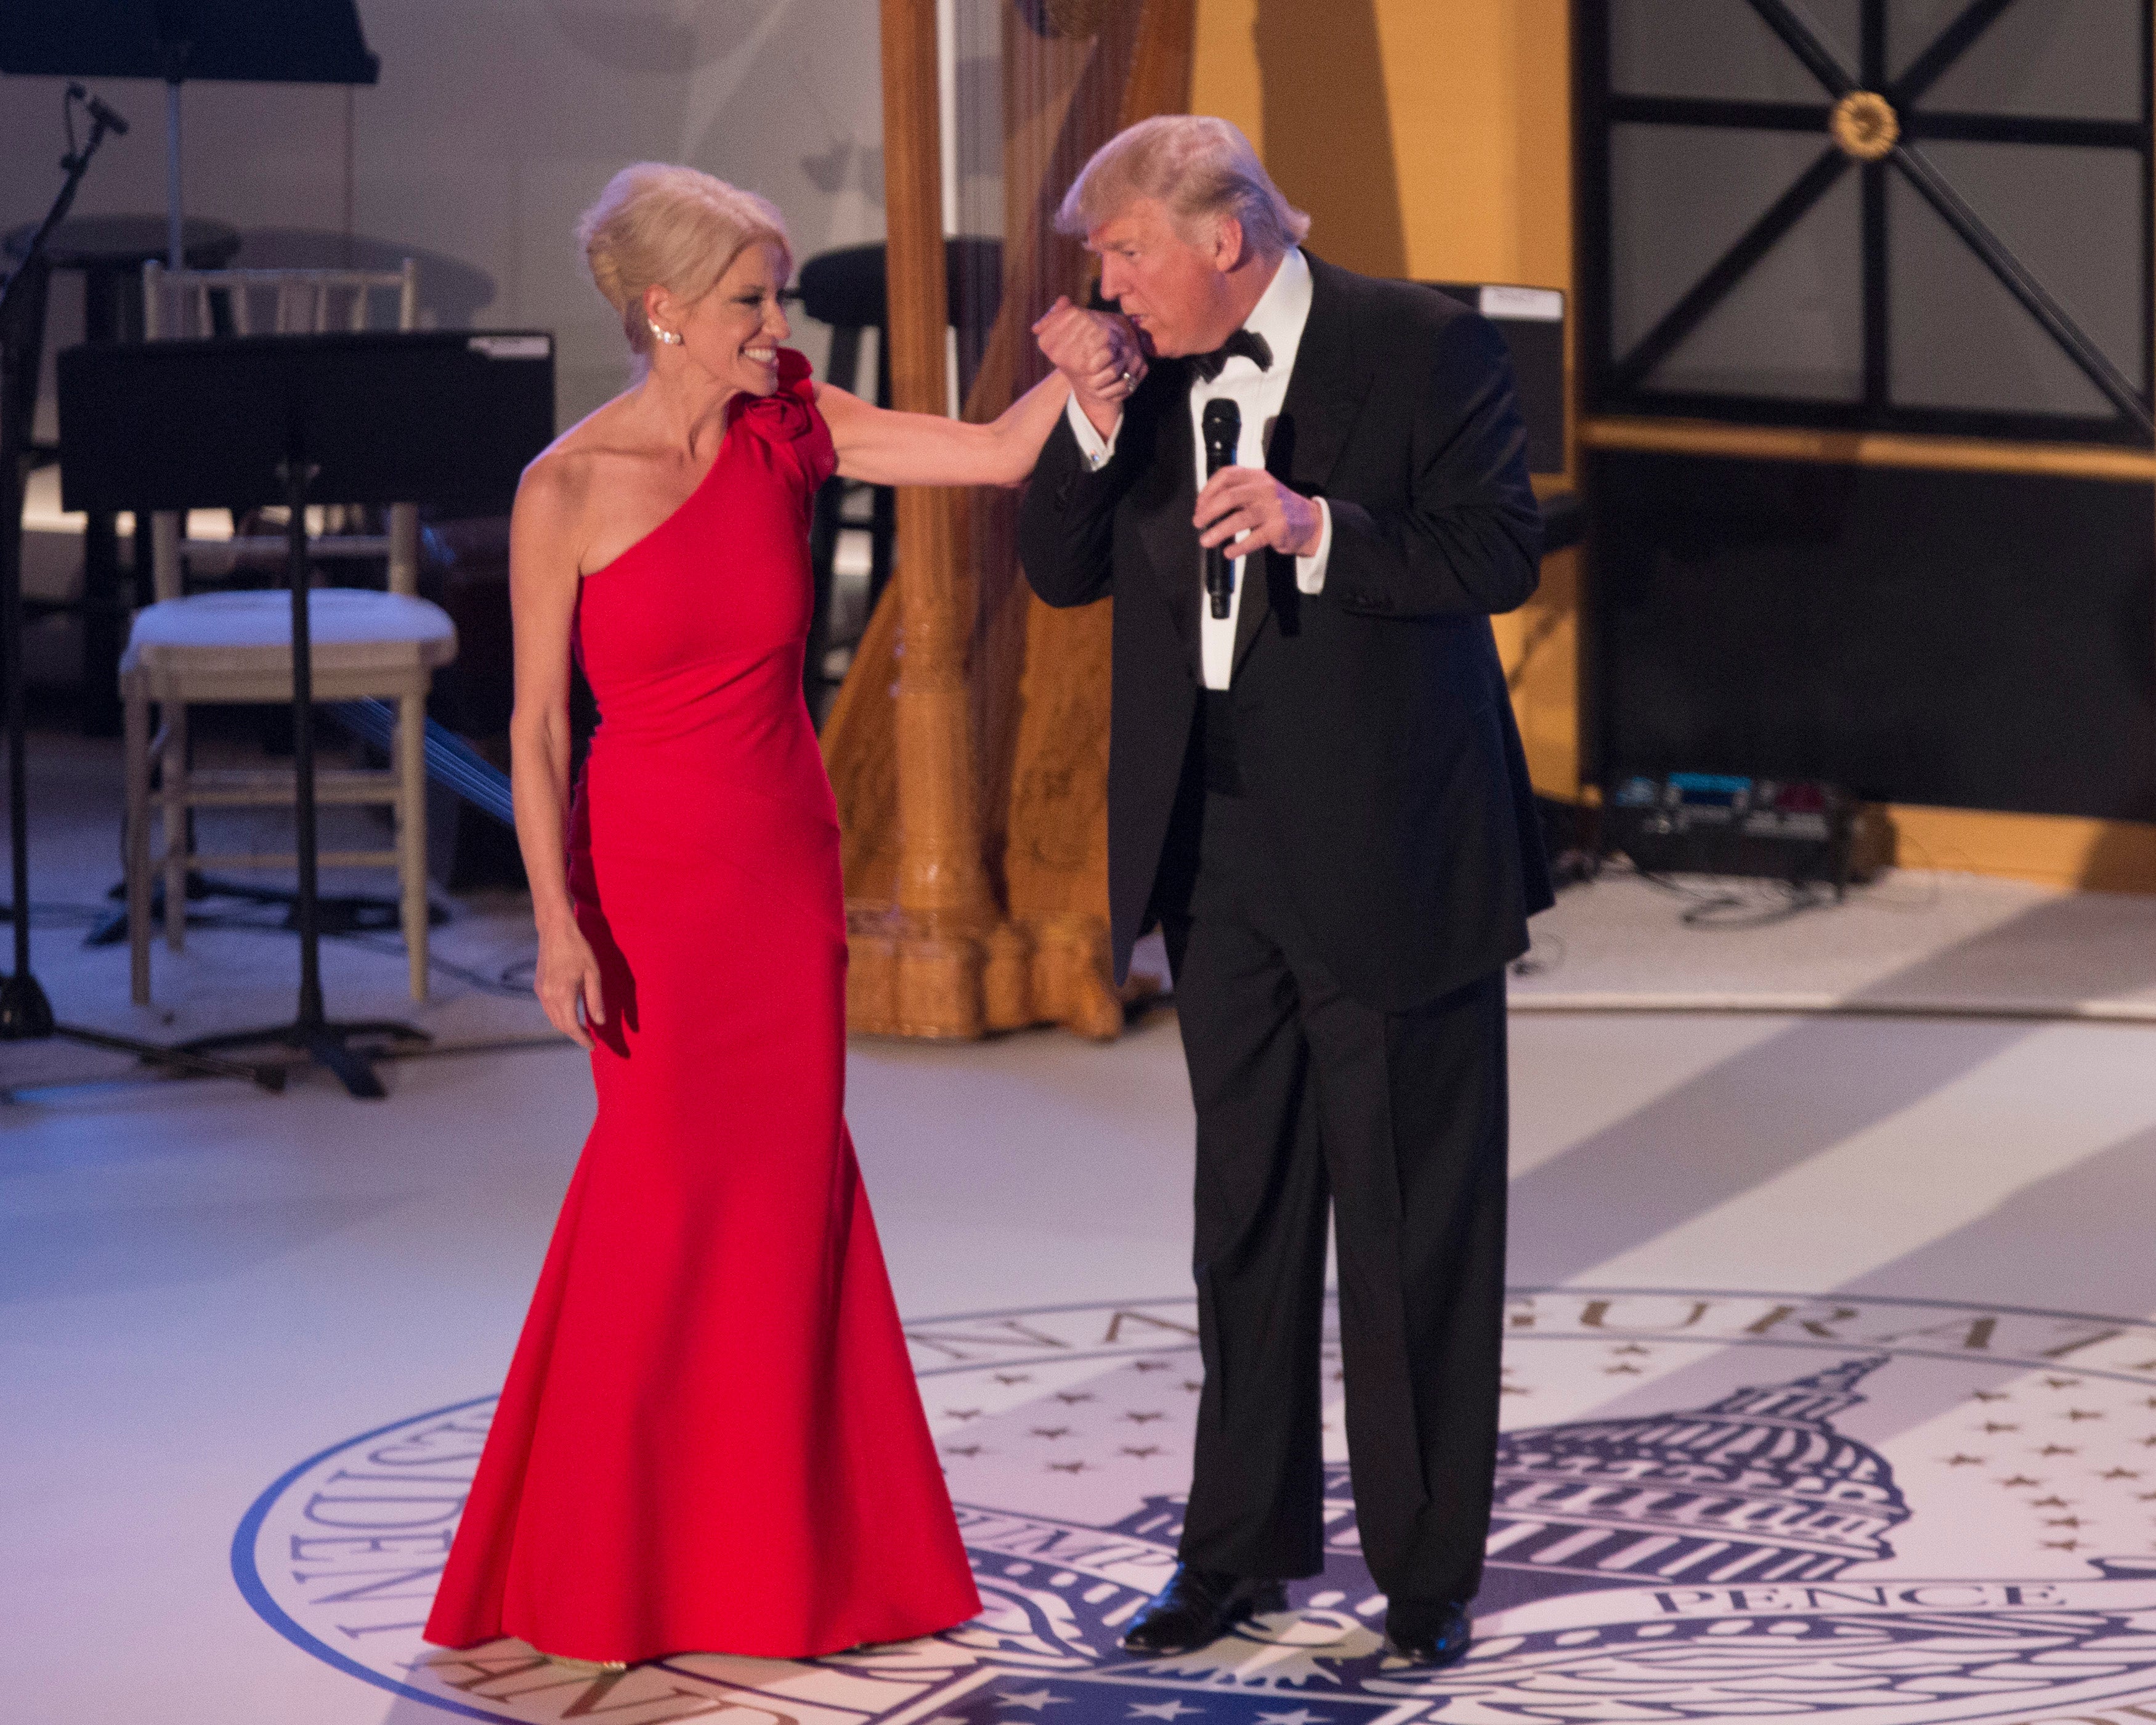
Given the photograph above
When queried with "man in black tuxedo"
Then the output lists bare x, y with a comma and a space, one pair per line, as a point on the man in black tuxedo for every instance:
1321, 798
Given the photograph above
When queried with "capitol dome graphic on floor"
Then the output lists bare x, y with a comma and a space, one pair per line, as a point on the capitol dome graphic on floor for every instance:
1871, 1512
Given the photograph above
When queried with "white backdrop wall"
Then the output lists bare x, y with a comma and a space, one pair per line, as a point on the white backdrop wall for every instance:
495, 123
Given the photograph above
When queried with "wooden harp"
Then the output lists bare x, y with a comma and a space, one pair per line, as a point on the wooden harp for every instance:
968, 745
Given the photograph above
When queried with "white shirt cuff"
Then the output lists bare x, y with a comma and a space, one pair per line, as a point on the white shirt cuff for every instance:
1310, 571
1097, 451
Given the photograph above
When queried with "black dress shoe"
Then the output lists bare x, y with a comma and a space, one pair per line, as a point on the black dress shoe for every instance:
1431, 1632
1198, 1606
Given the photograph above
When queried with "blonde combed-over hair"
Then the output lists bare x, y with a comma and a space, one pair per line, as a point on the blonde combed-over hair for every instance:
1196, 165
659, 225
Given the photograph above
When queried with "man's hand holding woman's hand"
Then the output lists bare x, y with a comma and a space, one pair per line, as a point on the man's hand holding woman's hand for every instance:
567, 976
1098, 353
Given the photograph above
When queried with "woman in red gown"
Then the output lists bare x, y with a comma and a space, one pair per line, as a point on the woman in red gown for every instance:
710, 1438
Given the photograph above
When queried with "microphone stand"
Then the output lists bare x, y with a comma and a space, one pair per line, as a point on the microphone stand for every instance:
311, 1033
26, 1014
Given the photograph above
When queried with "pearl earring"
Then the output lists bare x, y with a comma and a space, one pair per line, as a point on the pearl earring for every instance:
672, 338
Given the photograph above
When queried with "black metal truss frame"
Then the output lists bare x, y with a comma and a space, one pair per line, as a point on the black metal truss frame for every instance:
1618, 382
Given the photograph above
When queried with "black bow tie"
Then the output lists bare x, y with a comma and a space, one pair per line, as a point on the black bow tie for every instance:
1247, 342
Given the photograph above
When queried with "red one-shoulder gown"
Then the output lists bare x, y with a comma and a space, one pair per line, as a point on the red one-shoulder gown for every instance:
710, 1438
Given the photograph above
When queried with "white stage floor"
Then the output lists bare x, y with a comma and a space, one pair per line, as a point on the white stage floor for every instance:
230, 1322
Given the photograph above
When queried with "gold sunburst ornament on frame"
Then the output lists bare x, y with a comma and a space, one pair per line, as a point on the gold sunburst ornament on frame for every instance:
1865, 125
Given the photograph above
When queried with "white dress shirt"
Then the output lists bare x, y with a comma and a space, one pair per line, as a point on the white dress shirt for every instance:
1281, 311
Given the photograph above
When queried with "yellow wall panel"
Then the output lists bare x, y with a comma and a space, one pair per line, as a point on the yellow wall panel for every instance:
1426, 137
1223, 74
2059, 850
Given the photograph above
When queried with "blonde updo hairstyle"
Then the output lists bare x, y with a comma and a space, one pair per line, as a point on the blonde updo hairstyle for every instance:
659, 225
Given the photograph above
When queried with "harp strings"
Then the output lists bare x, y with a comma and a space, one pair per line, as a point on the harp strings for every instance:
1040, 85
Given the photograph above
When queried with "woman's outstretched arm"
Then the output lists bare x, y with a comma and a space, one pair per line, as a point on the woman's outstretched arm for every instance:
543, 550
892, 448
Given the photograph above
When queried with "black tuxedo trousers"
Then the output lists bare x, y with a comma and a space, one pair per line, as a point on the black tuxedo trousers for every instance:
1309, 1102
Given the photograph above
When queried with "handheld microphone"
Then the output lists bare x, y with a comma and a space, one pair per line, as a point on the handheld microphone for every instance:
103, 116
113, 123
1222, 426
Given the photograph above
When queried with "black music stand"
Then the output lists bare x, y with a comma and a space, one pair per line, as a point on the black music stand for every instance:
444, 418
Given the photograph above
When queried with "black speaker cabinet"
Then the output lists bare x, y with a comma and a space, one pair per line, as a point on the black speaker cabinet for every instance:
1977, 640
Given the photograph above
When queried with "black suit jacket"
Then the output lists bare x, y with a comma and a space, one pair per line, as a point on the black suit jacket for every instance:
1372, 725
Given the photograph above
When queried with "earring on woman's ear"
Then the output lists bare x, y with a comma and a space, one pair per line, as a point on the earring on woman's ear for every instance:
672, 338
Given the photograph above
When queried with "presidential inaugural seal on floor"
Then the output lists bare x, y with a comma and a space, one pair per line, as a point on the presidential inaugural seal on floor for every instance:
1711, 1506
